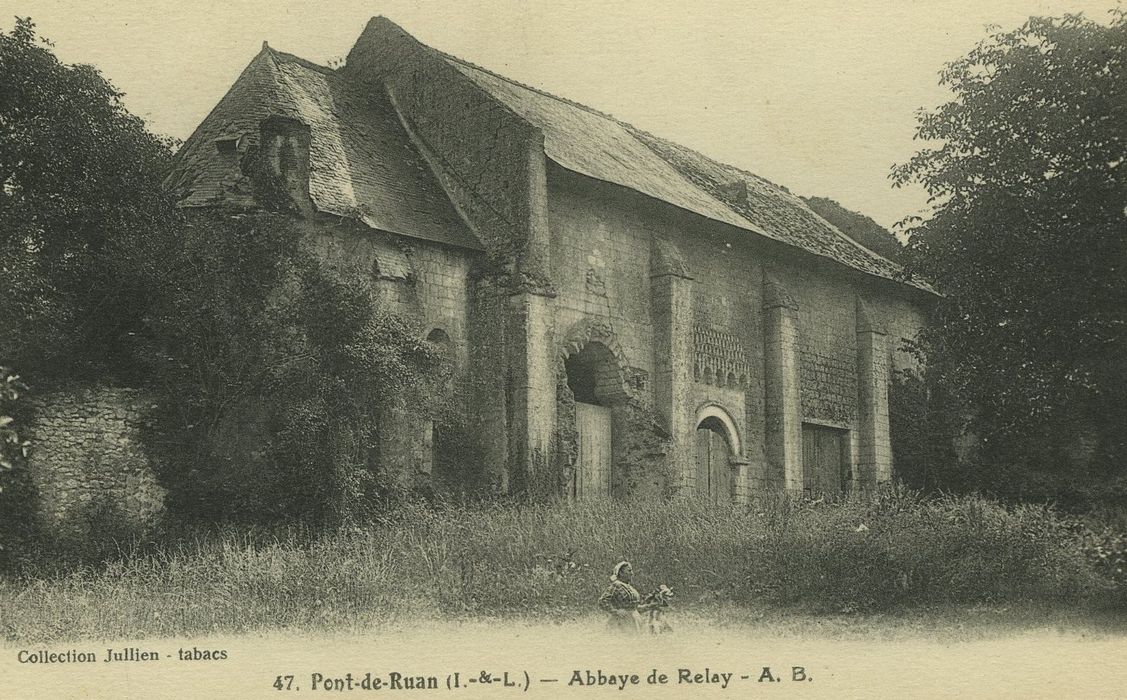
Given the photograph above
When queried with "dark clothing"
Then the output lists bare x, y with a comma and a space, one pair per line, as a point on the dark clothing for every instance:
621, 601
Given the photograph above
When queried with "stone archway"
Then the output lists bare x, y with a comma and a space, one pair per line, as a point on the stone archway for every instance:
594, 380
718, 450
592, 388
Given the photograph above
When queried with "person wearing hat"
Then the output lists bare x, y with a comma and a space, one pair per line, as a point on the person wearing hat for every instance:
620, 600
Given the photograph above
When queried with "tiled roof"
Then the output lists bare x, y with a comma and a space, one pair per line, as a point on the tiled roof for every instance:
362, 163
599, 146
771, 209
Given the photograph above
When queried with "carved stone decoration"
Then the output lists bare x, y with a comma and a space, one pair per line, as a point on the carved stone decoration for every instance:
719, 358
595, 283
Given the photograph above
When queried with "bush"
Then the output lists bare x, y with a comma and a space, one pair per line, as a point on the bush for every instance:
272, 372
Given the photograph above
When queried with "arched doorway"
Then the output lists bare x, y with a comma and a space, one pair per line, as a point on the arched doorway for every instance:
595, 382
717, 444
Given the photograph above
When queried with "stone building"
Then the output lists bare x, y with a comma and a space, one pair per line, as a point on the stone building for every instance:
624, 315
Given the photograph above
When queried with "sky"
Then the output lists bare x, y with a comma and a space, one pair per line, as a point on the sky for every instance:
820, 97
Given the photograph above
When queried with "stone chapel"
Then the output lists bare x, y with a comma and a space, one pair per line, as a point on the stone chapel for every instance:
624, 316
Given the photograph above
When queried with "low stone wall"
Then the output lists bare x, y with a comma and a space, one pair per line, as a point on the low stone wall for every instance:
88, 464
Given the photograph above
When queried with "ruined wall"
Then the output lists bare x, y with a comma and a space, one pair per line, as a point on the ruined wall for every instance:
88, 465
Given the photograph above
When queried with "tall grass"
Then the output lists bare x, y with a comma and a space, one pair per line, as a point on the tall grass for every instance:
893, 550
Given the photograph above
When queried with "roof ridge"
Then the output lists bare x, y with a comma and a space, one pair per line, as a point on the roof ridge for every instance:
285, 57
797, 199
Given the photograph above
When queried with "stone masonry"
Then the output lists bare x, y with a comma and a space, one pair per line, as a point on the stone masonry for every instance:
87, 462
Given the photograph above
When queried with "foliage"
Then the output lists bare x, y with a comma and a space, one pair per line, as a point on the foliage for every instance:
79, 184
895, 551
272, 372
1027, 243
13, 449
923, 431
16, 493
1106, 547
859, 227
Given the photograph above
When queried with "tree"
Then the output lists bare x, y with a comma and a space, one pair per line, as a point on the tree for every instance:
269, 370
1028, 243
79, 187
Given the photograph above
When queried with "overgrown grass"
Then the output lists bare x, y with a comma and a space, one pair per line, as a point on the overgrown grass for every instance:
890, 552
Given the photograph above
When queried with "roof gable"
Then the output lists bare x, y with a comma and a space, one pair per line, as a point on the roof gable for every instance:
362, 163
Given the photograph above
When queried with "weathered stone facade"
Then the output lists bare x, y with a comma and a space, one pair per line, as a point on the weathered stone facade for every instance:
88, 464
625, 317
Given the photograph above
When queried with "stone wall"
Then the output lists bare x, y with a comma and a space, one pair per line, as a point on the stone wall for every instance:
774, 335
600, 255
695, 313
429, 282
827, 347
88, 465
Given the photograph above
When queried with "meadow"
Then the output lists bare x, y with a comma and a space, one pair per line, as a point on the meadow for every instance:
893, 553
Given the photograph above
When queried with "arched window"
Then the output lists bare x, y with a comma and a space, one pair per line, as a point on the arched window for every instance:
441, 338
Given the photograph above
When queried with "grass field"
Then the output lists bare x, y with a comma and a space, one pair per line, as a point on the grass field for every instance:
894, 557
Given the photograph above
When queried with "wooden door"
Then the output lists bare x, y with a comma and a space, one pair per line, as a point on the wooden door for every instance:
592, 475
714, 469
824, 459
